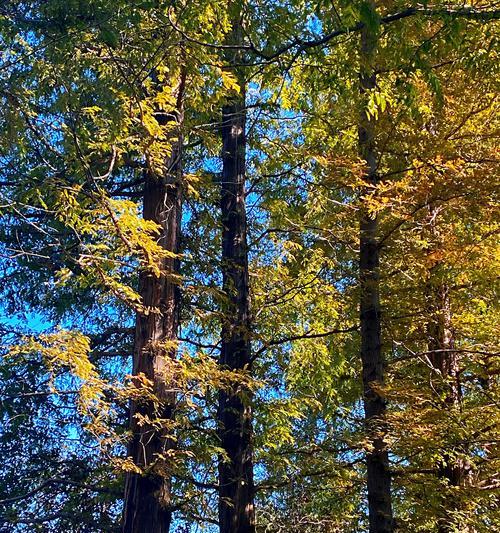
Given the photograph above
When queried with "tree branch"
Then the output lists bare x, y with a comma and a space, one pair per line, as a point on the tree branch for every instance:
302, 336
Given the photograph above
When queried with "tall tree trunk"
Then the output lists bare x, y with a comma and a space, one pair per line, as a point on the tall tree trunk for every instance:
377, 460
445, 364
236, 492
443, 357
148, 495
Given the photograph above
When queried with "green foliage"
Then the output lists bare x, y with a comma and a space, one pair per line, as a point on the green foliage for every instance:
89, 94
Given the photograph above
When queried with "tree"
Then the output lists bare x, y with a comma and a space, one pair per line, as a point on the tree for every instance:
147, 497
236, 487
160, 164
378, 473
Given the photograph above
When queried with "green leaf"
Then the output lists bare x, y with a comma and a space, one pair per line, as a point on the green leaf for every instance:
369, 16
110, 37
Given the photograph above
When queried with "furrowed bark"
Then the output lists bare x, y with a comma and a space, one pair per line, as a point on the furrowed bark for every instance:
148, 506
441, 347
236, 492
377, 459
445, 365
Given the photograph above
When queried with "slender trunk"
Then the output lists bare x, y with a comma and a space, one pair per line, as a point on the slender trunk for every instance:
445, 363
148, 495
441, 346
377, 459
236, 492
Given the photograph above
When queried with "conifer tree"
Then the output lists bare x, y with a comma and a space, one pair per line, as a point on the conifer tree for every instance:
378, 474
236, 487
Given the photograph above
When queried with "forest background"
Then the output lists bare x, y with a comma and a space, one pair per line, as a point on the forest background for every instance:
249, 260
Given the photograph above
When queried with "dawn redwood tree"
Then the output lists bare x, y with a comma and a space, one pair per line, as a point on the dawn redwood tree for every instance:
236, 486
445, 370
445, 367
377, 459
148, 494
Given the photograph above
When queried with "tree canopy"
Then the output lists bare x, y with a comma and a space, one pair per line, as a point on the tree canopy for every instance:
249, 266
